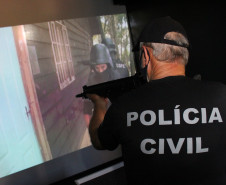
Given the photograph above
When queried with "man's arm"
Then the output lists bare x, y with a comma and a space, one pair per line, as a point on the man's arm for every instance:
100, 109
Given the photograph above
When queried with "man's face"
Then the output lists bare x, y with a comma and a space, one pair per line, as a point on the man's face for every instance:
100, 68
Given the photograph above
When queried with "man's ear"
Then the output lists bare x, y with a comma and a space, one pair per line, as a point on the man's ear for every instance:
146, 55
149, 62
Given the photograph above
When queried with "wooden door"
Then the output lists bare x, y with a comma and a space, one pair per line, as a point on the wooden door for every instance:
19, 146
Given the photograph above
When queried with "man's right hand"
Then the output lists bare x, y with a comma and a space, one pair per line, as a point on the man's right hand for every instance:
99, 102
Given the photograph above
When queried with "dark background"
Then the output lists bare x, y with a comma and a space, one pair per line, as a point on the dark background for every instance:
205, 23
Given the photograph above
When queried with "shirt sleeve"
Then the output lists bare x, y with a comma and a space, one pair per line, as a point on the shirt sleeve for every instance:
108, 132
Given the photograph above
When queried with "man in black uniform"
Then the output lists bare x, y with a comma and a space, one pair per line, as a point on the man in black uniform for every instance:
118, 64
173, 129
102, 70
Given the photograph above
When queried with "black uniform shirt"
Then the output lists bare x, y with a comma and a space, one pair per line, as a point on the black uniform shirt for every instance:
172, 132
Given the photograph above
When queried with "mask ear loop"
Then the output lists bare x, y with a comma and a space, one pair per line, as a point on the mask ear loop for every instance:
141, 54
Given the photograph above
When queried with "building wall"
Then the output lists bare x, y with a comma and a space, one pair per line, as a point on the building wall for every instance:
61, 111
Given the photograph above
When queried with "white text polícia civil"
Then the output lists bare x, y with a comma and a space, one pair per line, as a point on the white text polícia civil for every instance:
199, 116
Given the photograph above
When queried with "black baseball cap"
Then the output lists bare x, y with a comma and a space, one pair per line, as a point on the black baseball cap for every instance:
155, 31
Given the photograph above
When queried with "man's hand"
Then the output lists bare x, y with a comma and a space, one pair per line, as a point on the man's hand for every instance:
100, 103
100, 109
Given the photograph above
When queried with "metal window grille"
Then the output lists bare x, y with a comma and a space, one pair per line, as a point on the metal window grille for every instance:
62, 53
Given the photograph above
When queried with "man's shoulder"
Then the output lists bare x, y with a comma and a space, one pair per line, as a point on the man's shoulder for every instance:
208, 90
215, 85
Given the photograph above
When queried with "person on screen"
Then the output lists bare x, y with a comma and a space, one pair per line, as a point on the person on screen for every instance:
118, 64
102, 70
171, 129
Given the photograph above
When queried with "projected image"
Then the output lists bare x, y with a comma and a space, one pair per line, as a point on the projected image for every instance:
42, 67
